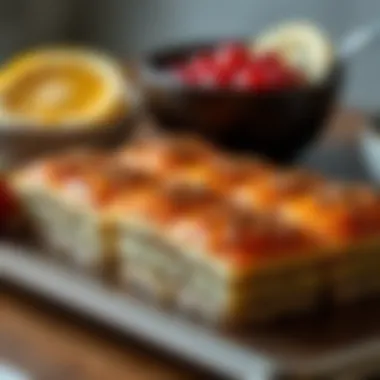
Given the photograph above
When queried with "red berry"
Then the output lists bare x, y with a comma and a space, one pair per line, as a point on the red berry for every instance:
203, 68
232, 56
224, 76
248, 79
208, 80
267, 73
196, 70
187, 75
267, 60
234, 65
202, 63
274, 78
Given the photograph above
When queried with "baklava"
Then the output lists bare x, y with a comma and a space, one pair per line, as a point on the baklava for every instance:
247, 267
231, 239
188, 246
148, 259
346, 220
37, 188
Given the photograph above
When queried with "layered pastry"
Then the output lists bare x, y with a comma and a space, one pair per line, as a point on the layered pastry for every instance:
93, 240
149, 261
346, 219
186, 245
229, 238
247, 267
62, 196
37, 188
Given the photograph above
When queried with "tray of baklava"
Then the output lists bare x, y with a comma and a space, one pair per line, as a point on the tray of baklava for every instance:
228, 244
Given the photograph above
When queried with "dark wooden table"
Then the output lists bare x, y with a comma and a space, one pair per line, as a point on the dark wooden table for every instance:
48, 344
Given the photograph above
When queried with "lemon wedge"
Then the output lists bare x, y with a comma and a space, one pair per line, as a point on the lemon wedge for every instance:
62, 87
302, 45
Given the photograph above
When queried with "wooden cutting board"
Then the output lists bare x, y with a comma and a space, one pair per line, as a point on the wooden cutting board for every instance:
37, 343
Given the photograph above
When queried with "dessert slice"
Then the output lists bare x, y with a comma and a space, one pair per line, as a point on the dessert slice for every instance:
149, 261
91, 235
37, 188
347, 220
187, 245
246, 267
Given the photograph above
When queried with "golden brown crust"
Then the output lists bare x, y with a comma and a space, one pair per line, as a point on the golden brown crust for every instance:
238, 238
53, 170
163, 155
101, 187
337, 213
272, 189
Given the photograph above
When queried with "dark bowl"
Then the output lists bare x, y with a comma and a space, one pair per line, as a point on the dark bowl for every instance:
276, 124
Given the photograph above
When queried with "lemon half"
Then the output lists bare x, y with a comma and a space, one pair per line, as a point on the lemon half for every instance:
302, 45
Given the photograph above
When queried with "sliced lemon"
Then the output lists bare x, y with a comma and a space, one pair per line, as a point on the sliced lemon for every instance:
62, 87
303, 46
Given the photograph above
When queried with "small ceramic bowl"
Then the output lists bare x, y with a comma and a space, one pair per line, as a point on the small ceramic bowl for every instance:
276, 124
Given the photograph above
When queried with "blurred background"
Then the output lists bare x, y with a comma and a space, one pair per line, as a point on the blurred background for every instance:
130, 27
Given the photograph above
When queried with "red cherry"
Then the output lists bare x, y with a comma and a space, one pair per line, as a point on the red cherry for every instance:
268, 60
202, 70
208, 80
294, 78
232, 56
202, 63
267, 73
274, 78
249, 79
187, 75
194, 71
225, 77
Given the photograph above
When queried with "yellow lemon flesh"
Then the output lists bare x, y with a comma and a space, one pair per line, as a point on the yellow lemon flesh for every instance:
302, 45
64, 87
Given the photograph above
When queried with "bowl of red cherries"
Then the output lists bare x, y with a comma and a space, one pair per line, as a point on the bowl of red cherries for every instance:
270, 95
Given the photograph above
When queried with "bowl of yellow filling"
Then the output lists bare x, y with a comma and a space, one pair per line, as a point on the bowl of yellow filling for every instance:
55, 98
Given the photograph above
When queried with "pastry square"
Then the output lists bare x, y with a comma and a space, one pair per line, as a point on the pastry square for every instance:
247, 266
231, 239
92, 232
188, 245
346, 219
149, 260
37, 188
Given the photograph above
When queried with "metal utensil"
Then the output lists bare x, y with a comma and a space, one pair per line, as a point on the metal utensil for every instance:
359, 39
